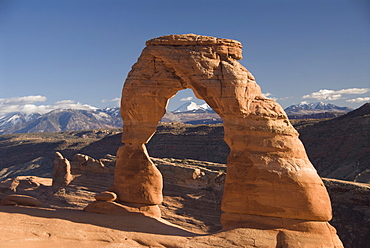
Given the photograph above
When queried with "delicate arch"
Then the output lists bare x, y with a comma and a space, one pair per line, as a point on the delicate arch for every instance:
268, 172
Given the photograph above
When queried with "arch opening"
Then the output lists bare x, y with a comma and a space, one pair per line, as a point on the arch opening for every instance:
186, 108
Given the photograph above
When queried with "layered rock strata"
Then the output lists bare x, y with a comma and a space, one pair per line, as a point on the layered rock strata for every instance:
270, 183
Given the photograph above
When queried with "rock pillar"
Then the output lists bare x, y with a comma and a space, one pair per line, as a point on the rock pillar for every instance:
62, 172
144, 100
137, 180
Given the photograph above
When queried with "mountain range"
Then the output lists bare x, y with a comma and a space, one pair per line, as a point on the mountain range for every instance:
316, 110
189, 113
60, 120
194, 108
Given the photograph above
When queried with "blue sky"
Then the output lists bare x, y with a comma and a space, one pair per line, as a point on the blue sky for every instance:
76, 52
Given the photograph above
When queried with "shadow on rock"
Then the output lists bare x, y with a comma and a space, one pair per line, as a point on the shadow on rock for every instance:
129, 223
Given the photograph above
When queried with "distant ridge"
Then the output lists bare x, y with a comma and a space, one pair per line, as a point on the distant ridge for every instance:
316, 110
361, 111
59, 120
340, 147
189, 113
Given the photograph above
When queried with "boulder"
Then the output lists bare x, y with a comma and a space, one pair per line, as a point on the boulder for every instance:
106, 196
25, 200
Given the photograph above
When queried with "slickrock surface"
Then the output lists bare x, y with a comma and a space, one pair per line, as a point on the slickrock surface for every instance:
189, 202
44, 228
269, 173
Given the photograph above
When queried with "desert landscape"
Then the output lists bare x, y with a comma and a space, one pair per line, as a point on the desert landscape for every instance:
190, 205
184, 124
245, 183
190, 211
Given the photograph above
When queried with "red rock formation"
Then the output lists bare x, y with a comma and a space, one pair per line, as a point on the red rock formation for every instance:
16, 199
270, 182
62, 172
106, 196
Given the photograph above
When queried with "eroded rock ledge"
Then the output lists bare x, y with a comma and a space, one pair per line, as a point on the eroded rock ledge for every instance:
192, 40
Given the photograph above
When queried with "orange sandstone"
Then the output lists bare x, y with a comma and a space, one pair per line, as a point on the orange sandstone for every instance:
270, 183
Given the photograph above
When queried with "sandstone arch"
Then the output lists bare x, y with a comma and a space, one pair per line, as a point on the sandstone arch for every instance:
270, 181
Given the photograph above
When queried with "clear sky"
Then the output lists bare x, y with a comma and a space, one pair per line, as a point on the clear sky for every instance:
74, 52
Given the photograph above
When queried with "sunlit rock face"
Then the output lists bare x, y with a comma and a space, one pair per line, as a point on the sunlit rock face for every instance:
270, 181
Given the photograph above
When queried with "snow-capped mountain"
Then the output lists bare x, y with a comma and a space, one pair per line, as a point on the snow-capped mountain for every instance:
315, 110
193, 107
318, 106
15, 118
190, 112
113, 111
58, 120
77, 119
